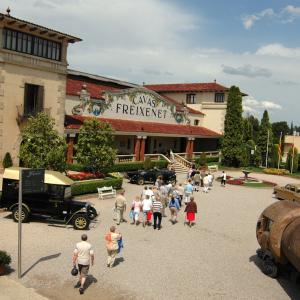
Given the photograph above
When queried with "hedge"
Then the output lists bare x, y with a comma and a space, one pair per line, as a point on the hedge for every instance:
212, 159
121, 167
90, 186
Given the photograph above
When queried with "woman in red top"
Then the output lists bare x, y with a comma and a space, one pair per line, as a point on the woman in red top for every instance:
191, 210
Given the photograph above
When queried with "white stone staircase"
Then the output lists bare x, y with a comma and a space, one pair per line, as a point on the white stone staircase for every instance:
179, 168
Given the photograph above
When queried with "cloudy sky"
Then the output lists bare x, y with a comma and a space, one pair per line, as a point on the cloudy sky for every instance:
252, 44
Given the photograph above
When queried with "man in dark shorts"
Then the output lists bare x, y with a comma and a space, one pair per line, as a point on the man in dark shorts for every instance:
84, 256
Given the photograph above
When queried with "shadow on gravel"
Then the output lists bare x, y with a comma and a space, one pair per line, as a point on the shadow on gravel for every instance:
119, 260
292, 288
90, 279
45, 258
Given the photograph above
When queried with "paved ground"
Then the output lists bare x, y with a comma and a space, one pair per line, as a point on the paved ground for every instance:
213, 260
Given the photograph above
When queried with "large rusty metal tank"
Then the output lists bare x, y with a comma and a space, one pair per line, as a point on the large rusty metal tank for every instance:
278, 234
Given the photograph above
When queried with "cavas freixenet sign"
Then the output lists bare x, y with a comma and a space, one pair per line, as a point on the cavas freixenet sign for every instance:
132, 104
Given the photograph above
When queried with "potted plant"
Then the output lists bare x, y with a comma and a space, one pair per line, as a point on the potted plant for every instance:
5, 260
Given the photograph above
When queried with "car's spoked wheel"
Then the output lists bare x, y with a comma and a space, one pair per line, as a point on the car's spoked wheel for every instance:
141, 181
80, 222
24, 214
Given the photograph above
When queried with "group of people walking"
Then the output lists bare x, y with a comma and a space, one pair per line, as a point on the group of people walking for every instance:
153, 202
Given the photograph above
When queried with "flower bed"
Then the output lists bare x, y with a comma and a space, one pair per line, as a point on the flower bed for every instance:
84, 175
274, 171
235, 181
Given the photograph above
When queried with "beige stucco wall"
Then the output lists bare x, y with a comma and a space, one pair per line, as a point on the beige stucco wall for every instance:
214, 119
199, 98
289, 140
12, 82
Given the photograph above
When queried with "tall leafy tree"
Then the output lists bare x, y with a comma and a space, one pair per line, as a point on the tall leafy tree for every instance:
248, 131
254, 122
290, 158
95, 147
42, 146
277, 128
292, 128
232, 149
265, 131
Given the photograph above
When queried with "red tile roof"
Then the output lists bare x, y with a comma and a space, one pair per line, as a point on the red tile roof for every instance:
187, 87
96, 90
179, 106
75, 122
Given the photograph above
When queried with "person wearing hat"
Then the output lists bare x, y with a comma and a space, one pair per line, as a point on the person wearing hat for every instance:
84, 256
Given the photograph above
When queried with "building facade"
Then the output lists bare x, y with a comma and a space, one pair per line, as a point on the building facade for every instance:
144, 121
33, 68
209, 98
289, 141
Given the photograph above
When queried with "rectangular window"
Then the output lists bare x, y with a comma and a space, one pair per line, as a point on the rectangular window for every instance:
26, 43
20, 38
33, 99
14, 41
196, 122
190, 98
219, 97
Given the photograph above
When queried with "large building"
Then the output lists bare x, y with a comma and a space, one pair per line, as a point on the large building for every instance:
33, 68
184, 118
145, 121
209, 98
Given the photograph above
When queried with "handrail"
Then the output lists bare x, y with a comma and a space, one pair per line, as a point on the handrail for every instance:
182, 160
158, 156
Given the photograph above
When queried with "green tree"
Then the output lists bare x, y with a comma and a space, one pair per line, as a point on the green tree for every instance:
277, 129
265, 131
248, 131
292, 128
42, 146
289, 159
232, 149
254, 122
275, 156
7, 161
95, 147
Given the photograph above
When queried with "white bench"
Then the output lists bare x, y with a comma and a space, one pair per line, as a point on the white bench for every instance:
106, 191
213, 168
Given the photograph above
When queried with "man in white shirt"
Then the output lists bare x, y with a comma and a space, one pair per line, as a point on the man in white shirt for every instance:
147, 208
84, 256
149, 192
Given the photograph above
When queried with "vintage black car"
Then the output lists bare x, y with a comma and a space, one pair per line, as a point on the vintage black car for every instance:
144, 176
55, 202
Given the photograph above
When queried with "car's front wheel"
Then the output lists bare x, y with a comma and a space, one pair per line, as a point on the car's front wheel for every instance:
141, 181
81, 222
24, 214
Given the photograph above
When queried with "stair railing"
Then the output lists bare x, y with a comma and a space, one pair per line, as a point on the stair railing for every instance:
182, 160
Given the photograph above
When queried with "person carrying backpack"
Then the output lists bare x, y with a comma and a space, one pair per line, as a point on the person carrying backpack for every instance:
174, 208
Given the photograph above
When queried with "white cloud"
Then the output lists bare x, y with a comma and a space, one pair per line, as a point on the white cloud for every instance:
247, 70
250, 104
270, 105
249, 20
285, 15
278, 50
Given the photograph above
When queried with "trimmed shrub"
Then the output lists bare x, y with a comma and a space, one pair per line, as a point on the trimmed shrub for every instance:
7, 161
90, 186
121, 167
212, 159
147, 163
5, 258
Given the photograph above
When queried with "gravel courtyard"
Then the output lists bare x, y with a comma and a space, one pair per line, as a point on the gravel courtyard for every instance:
215, 259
